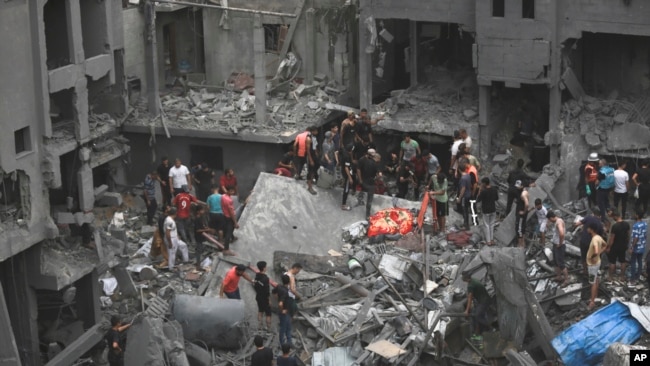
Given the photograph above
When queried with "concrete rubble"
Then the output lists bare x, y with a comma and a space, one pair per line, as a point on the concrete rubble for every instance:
230, 108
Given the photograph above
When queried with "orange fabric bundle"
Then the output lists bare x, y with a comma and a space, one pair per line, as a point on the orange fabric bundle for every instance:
390, 221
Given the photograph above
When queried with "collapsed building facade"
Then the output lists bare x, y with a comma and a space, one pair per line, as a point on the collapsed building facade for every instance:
431, 67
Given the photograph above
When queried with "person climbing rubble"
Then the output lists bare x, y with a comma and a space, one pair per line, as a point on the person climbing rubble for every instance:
559, 248
513, 176
230, 284
478, 299
231, 222
116, 341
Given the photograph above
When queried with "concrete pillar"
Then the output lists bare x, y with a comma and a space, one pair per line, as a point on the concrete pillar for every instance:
80, 107
365, 62
555, 98
310, 52
259, 52
87, 299
555, 94
413, 48
151, 58
86, 189
75, 40
8, 349
484, 121
20, 299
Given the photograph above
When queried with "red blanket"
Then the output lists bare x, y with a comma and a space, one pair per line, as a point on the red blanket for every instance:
390, 221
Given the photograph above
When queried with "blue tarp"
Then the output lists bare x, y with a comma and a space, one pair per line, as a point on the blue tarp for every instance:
585, 343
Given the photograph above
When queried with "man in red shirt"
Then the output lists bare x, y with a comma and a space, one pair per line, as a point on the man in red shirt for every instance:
183, 203
228, 179
591, 176
230, 284
231, 219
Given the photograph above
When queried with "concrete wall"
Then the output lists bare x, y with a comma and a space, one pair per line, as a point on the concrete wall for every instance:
604, 16
446, 11
134, 60
221, 61
512, 48
189, 44
18, 98
248, 159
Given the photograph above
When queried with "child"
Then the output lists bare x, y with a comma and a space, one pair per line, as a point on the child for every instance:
263, 296
639, 233
285, 359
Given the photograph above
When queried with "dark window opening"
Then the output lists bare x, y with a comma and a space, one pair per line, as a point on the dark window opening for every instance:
94, 36
274, 36
22, 140
528, 9
61, 106
56, 34
498, 8
212, 155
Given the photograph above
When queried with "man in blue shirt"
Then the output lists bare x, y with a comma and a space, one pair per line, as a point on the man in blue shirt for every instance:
217, 218
639, 234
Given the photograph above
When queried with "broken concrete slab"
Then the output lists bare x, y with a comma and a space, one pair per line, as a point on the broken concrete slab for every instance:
150, 341
628, 137
111, 199
215, 321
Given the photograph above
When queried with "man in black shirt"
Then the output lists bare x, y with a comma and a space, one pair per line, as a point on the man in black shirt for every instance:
116, 342
262, 295
201, 226
405, 178
263, 356
367, 173
515, 175
204, 180
488, 196
285, 304
163, 178
617, 244
348, 172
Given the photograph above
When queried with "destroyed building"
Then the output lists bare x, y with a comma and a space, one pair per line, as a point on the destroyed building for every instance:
96, 92
62, 99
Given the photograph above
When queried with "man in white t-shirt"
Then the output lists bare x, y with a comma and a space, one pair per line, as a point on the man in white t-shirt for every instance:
172, 240
409, 148
621, 187
453, 165
179, 176
540, 213
465, 138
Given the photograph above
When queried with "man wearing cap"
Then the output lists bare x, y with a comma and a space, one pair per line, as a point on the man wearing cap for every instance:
179, 176
521, 209
591, 176
367, 173
559, 248
230, 284
183, 203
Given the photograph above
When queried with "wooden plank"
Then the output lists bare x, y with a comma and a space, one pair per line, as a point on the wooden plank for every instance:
311, 322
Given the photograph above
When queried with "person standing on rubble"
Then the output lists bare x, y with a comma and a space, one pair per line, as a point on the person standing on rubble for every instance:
639, 235
285, 359
465, 194
217, 218
409, 149
479, 299
642, 181
367, 173
327, 154
183, 203
596, 247
521, 208
438, 190
230, 285
230, 219
285, 307
262, 356
488, 196
348, 173
465, 139
292, 273
405, 179
605, 182
585, 238
591, 177
204, 179
201, 226
163, 176
621, 188
116, 342
559, 248
179, 176
453, 164
173, 243
541, 212
149, 190
302, 147
262, 296
513, 176
619, 237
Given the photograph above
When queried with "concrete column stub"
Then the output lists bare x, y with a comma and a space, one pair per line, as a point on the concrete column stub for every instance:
75, 40
259, 52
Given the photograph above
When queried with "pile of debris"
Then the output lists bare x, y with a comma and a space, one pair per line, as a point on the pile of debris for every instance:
612, 124
291, 106
448, 102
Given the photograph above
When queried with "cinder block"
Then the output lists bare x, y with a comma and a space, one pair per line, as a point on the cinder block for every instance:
100, 191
